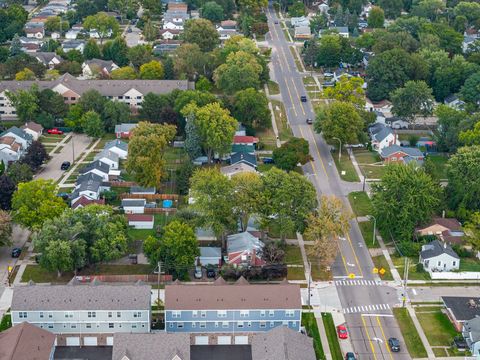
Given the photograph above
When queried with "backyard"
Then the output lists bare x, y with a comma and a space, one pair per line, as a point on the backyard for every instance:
437, 327
370, 163
293, 259
439, 163
410, 334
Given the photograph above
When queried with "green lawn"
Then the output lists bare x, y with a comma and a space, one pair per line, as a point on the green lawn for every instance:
310, 324
469, 264
437, 327
308, 80
439, 169
284, 130
267, 139
380, 262
332, 336
6, 322
410, 334
319, 273
293, 255
296, 273
361, 203
366, 227
106, 138
345, 165
413, 272
273, 87
370, 163
142, 234
175, 157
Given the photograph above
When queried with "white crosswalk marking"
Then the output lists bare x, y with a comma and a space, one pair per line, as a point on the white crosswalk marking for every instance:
371, 308
358, 283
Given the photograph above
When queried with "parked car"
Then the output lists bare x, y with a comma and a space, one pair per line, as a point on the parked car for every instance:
267, 160
211, 273
63, 195
129, 30
198, 272
328, 74
276, 22
309, 121
394, 344
350, 356
65, 165
342, 332
55, 131
303, 98
16, 252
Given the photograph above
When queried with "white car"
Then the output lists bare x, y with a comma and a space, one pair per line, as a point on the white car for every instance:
198, 272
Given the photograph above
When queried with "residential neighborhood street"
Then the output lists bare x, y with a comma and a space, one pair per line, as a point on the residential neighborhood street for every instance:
369, 334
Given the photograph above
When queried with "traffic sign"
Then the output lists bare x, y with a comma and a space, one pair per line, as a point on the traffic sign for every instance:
375, 270
10, 268
382, 271
351, 276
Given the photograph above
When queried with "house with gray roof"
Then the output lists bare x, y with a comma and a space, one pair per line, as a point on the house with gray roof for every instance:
383, 137
94, 67
119, 147
461, 308
158, 346
19, 135
471, 333
405, 154
68, 45
243, 157
48, 59
245, 249
84, 314
134, 206
439, 256
97, 167
89, 185
109, 158
124, 130
209, 256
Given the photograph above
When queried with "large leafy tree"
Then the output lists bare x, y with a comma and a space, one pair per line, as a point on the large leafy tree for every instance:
392, 8
189, 61
36, 201
340, 120
472, 229
152, 70
212, 11
92, 50
139, 55
215, 126
376, 18
193, 144
5, 228
294, 151
246, 195
7, 188
471, 136
105, 25
404, 198
19, 172
449, 126
115, 112
470, 90
35, 156
92, 124
199, 98
348, 90
201, 32
415, 98
146, 152
25, 103
117, 51
250, 107
463, 189
92, 100
240, 71
124, 73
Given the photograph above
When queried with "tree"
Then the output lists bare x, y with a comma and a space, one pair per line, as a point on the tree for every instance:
291, 153
469, 10
201, 32
273, 253
115, 112
55, 23
152, 70
212, 192
325, 227
469, 90
415, 98
146, 150
57, 256
212, 11
139, 55
116, 51
240, 71
199, 98
246, 194
392, 8
192, 139
215, 126
36, 201
404, 198
182, 178
250, 107
153, 104
203, 84
471, 136
25, 103
7, 188
340, 120
123, 73
126, 8
5, 228
348, 90
449, 125
35, 156
472, 230
71, 67
376, 18
92, 124
19, 172
177, 248
105, 25
297, 9
52, 103
24, 75
285, 201
318, 22
91, 50
92, 100
329, 51
15, 46
463, 170
252, 6
429, 9
189, 61
150, 31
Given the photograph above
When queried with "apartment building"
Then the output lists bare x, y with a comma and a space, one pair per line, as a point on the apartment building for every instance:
86, 315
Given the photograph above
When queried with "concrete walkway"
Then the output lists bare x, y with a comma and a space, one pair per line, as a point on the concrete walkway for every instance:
274, 123
74, 167
421, 333
61, 143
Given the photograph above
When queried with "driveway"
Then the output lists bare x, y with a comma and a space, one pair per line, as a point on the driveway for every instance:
133, 38
19, 237
71, 150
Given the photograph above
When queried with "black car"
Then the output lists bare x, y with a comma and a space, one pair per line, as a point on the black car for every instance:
16, 252
394, 344
65, 165
350, 356
211, 273
309, 121
303, 98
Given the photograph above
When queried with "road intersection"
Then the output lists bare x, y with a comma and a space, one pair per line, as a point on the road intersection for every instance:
367, 308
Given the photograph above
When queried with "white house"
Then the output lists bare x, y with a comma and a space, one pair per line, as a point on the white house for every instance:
299, 21
73, 45
240, 168
94, 67
140, 221
396, 122
71, 34
323, 8
169, 34
37, 32
134, 206
55, 35
210, 256
454, 102
88, 185
21, 137
108, 157
471, 333
119, 147
49, 59
96, 167
170, 25
439, 256
33, 129
383, 137
342, 30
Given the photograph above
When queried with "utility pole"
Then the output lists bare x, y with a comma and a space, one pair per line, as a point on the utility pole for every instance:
73, 150
309, 280
158, 282
405, 280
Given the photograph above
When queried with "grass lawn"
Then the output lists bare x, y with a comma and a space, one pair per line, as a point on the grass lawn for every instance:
142, 234
469, 264
437, 327
370, 163
267, 139
418, 134
284, 130
273, 87
361, 203
366, 227
296, 273
106, 138
380, 262
410, 334
308, 80
319, 273
413, 273
345, 165
6, 322
310, 324
439, 165
332, 336
293, 255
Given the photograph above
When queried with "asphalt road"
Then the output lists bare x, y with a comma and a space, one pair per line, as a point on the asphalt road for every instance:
369, 332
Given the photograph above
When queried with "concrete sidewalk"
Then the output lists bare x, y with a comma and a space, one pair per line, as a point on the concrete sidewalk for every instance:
421, 333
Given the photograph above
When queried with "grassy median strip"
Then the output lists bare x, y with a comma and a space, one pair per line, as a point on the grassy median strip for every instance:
361, 203
344, 164
273, 87
332, 336
410, 334
297, 60
310, 324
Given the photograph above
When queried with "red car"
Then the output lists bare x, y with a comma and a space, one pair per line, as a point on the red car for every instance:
55, 131
342, 332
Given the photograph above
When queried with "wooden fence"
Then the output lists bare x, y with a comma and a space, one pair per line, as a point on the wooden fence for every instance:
149, 196
160, 210
122, 183
147, 278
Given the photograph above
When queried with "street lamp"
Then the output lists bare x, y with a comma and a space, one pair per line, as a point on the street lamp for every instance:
374, 227
339, 149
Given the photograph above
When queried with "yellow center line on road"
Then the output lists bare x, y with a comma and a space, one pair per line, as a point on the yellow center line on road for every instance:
368, 336
384, 338
355, 255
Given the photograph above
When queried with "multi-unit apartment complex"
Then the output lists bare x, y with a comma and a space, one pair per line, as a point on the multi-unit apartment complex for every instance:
84, 314
238, 308
130, 92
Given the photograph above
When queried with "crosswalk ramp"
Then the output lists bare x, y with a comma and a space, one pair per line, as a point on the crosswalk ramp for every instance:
358, 283
366, 308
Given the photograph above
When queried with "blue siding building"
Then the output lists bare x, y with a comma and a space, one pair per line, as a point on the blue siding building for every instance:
237, 308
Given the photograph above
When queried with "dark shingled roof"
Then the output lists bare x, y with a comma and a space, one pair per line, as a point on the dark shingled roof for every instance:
158, 346
26, 342
435, 248
462, 307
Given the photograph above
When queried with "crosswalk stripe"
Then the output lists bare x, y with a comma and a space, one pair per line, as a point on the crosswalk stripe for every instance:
388, 306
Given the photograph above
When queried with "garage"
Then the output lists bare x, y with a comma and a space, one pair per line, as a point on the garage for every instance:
224, 340
241, 340
109, 340
201, 340
73, 341
90, 341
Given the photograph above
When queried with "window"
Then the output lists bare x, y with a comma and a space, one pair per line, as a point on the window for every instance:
138, 98
92, 314
69, 315
203, 325
194, 325
171, 325
176, 314
263, 325
271, 313
272, 323
73, 98
41, 315
73, 326
89, 326
195, 313
119, 314
180, 325
454, 263
65, 98
203, 314
50, 316
137, 314
225, 324
249, 324
22, 314
134, 326
240, 324
439, 263
221, 314
120, 97
50, 326
244, 313
262, 313
285, 323
289, 313
110, 314
216, 324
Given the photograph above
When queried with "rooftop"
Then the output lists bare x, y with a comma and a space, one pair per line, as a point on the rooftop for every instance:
435, 248
463, 307
133, 202
392, 149
243, 241
158, 346
26, 342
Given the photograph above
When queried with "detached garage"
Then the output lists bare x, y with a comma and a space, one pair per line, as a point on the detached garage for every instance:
210, 256
138, 221
134, 206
